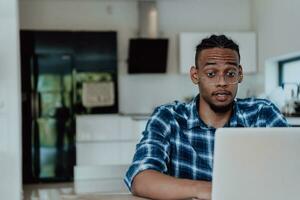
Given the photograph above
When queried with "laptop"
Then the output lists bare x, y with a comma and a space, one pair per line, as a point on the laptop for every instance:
256, 164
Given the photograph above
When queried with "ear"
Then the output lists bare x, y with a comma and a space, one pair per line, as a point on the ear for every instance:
241, 74
194, 74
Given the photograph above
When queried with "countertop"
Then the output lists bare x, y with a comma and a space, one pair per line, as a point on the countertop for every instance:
117, 196
293, 120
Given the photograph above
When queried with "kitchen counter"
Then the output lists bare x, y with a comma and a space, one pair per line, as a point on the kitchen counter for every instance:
117, 196
294, 121
66, 191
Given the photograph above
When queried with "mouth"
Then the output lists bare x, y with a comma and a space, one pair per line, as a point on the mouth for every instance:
222, 95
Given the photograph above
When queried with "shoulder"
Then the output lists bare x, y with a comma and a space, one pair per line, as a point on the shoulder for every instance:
172, 110
260, 112
253, 104
173, 114
163, 119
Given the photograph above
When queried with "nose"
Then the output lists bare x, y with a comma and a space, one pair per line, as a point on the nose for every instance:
221, 80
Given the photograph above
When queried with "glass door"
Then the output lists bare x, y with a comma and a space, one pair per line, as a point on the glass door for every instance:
53, 135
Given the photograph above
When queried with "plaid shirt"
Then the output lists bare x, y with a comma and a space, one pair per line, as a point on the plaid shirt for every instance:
178, 143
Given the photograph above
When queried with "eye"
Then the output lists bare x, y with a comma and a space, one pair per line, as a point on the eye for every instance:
211, 74
231, 74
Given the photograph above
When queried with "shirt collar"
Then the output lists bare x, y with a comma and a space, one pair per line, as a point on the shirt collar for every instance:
236, 119
194, 120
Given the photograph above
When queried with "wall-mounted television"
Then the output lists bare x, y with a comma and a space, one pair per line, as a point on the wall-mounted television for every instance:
147, 56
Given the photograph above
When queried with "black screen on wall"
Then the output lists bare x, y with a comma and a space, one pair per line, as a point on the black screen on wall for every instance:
147, 56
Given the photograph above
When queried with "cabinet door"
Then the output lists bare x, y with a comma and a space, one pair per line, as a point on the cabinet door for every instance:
245, 40
97, 128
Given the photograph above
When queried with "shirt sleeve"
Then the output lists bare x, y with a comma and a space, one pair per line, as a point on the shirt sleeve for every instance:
152, 152
270, 116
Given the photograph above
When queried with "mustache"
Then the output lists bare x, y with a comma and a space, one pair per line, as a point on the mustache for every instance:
222, 92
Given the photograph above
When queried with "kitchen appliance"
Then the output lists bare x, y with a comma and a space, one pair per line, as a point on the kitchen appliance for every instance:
64, 74
147, 56
147, 53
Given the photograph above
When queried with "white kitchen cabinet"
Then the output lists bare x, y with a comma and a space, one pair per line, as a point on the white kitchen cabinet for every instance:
245, 40
139, 126
100, 171
105, 153
112, 185
107, 139
104, 128
105, 145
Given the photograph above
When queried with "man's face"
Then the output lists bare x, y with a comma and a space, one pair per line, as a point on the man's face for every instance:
217, 74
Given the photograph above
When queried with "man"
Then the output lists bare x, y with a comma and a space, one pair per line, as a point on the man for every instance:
174, 159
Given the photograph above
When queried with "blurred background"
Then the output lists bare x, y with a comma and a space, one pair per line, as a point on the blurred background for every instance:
79, 79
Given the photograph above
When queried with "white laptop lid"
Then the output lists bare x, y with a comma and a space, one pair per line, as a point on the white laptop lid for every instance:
256, 164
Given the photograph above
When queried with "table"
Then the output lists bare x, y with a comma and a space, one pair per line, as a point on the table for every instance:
102, 196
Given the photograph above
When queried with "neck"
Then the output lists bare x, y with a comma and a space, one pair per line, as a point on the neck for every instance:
212, 118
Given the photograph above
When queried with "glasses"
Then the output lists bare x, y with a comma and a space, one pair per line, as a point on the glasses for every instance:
231, 77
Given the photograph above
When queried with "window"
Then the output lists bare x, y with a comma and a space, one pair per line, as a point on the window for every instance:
289, 76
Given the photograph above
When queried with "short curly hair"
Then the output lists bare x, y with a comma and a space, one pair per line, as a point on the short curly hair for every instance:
219, 41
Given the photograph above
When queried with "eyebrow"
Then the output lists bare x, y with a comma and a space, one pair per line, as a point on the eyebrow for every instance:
209, 63
214, 63
232, 63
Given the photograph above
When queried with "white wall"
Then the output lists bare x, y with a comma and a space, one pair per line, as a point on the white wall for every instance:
278, 31
98, 15
10, 101
141, 94
122, 15
200, 16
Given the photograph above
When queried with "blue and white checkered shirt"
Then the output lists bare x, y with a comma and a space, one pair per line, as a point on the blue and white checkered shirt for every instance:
178, 143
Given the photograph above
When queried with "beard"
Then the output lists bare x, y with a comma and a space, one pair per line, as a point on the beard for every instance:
221, 109
215, 107
218, 108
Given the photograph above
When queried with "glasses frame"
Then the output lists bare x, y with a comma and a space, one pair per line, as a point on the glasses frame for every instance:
205, 78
